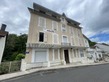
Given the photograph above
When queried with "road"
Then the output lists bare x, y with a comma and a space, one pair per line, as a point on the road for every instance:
98, 73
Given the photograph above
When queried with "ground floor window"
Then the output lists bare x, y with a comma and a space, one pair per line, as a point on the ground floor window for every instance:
81, 53
74, 53
56, 54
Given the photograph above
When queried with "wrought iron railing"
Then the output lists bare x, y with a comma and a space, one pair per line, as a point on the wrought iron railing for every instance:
66, 44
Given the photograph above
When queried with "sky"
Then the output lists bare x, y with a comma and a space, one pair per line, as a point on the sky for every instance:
92, 14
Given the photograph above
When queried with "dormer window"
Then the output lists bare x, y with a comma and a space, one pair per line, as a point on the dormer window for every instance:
42, 12
54, 16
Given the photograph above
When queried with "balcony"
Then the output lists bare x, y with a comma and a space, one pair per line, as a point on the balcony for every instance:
41, 45
65, 44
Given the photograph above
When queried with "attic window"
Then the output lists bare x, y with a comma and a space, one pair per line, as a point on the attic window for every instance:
54, 16
48, 14
69, 22
42, 11
75, 24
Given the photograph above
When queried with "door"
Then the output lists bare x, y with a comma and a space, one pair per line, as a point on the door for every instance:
40, 56
66, 55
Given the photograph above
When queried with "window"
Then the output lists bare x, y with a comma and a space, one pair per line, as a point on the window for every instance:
63, 28
56, 54
54, 25
42, 22
55, 38
71, 30
41, 37
74, 53
65, 40
72, 40
81, 53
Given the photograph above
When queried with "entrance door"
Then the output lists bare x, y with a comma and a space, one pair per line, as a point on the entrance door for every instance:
66, 55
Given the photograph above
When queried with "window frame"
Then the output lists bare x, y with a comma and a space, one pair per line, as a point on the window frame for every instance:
67, 38
39, 18
56, 26
54, 38
43, 36
82, 53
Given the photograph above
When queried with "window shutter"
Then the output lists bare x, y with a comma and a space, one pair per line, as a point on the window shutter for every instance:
42, 22
54, 25
45, 37
37, 37
55, 38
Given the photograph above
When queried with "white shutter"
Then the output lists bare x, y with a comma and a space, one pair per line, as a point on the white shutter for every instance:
45, 37
54, 25
64, 39
42, 22
56, 38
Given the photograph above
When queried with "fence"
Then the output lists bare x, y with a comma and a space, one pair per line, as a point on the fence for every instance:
9, 67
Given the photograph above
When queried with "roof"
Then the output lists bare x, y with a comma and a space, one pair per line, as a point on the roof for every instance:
103, 47
40, 10
86, 37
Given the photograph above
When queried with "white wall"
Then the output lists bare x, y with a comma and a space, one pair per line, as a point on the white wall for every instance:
2, 45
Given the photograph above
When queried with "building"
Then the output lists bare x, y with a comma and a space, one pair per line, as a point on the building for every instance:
3, 35
95, 54
54, 39
105, 50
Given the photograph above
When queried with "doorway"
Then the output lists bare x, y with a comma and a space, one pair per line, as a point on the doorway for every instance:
66, 55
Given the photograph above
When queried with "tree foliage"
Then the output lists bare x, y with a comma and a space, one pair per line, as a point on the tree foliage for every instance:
91, 43
14, 46
20, 56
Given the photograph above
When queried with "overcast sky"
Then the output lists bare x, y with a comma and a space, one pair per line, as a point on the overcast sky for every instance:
92, 14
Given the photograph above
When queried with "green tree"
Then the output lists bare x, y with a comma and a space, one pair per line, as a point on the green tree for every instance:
14, 45
91, 43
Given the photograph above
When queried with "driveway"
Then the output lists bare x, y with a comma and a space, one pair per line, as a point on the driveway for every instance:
99, 73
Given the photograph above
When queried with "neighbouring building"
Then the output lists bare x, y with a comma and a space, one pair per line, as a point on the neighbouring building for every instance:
54, 39
3, 35
105, 50
95, 54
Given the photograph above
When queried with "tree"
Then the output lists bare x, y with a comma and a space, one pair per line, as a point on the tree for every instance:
14, 45
91, 43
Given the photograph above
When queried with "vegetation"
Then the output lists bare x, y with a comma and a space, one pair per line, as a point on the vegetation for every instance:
15, 47
91, 43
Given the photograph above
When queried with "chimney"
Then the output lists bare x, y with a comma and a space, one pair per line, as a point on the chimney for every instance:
3, 27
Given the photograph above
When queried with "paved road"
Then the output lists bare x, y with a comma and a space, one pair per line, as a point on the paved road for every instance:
80, 74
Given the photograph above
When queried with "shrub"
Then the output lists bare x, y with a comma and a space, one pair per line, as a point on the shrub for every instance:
20, 56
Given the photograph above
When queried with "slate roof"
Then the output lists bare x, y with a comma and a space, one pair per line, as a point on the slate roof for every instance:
40, 10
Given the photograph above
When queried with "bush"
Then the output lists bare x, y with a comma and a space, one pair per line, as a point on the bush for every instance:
20, 56
4, 68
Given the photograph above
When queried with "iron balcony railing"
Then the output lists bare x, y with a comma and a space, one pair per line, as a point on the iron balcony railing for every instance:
65, 44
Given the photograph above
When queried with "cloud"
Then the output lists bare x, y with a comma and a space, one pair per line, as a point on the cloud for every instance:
92, 14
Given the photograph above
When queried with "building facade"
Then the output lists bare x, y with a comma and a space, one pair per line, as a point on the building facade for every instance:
54, 39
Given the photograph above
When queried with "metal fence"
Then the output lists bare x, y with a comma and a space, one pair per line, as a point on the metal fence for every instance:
9, 67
